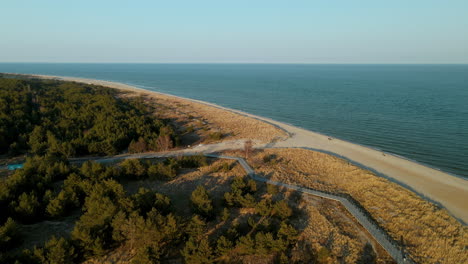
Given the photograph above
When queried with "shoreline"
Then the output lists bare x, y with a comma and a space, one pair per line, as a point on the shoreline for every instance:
447, 190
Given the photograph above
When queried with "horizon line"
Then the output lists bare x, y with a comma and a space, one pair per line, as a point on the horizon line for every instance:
291, 63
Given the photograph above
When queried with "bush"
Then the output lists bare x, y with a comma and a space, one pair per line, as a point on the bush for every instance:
161, 171
287, 232
323, 255
195, 227
92, 170
225, 167
93, 230
282, 210
201, 202
27, 206
223, 246
216, 135
267, 158
190, 129
225, 215
264, 207
152, 237
145, 200
56, 251
59, 205
138, 146
9, 235
134, 169
241, 193
195, 161
272, 189
75, 188
197, 251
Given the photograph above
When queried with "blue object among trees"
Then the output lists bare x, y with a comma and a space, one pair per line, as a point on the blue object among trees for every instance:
15, 166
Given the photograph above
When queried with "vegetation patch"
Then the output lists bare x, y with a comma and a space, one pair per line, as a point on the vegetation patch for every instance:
428, 232
72, 119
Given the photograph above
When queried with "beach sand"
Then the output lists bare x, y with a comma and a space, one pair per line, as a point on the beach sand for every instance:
447, 190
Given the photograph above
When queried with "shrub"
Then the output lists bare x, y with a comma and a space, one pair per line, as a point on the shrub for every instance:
216, 135
75, 189
223, 246
323, 255
190, 129
201, 202
134, 169
193, 161
241, 193
138, 146
59, 205
251, 186
27, 206
267, 158
282, 210
145, 200
272, 189
56, 251
162, 171
225, 167
93, 230
195, 227
246, 245
287, 232
197, 251
162, 203
264, 207
151, 237
9, 235
92, 170
225, 215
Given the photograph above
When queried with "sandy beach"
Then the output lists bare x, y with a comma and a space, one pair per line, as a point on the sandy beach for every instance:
447, 190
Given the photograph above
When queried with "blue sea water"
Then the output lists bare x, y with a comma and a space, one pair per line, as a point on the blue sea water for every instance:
417, 111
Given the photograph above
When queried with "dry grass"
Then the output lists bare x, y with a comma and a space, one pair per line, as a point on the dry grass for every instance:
206, 119
321, 223
335, 228
327, 224
180, 188
38, 233
431, 234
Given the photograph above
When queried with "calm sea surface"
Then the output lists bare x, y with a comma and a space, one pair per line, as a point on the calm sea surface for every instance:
417, 111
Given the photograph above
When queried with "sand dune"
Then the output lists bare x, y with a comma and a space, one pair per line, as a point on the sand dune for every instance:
449, 191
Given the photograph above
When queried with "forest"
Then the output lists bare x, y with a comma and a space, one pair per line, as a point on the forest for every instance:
146, 222
51, 121
40, 117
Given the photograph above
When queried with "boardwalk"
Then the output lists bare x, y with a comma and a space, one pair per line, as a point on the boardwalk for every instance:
378, 233
359, 213
389, 244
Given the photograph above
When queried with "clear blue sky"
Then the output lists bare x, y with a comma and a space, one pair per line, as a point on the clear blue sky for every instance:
328, 31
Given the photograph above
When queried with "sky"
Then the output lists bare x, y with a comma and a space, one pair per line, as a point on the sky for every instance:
253, 31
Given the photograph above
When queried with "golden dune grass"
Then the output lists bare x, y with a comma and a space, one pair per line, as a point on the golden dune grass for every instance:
316, 226
231, 125
431, 234
320, 229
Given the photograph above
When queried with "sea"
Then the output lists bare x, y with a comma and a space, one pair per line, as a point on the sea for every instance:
419, 112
